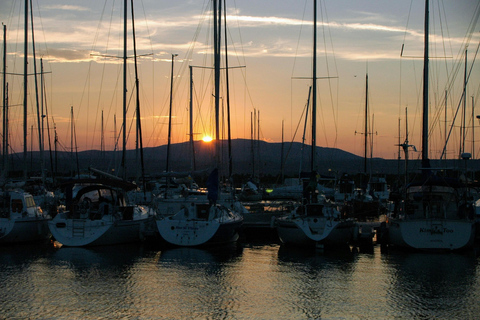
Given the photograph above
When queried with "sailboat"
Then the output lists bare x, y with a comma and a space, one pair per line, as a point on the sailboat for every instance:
317, 222
200, 223
368, 202
21, 220
438, 214
97, 211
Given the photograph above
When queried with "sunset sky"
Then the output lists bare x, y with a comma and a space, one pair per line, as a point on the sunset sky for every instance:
269, 46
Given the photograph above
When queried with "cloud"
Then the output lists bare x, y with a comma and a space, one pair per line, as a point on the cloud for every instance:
66, 55
66, 7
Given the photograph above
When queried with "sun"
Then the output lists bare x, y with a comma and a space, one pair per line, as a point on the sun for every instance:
207, 139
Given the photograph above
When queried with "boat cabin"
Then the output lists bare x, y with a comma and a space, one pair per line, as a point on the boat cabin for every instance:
16, 203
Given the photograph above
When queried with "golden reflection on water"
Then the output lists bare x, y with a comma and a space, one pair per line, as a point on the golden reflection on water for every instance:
262, 281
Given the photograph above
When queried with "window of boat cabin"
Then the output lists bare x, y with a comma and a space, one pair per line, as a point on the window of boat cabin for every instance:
106, 196
17, 205
29, 201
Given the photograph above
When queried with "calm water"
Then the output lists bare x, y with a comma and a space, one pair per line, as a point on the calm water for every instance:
262, 281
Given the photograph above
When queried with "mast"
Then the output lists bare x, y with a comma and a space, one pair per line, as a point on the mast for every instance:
228, 94
137, 91
55, 147
71, 132
115, 140
192, 144
102, 139
473, 128
39, 115
25, 83
425, 161
5, 168
4, 89
445, 125
281, 157
42, 114
217, 22
170, 115
405, 148
366, 124
464, 111
258, 145
252, 146
124, 140
304, 130
314, 85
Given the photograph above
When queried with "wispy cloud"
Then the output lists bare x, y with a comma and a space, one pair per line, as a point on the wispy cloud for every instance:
66, 7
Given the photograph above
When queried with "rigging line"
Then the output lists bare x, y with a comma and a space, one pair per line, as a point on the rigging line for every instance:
182, 69
153, 64
38, 13
406, 27
102, 77
459, 60
450, 82
240, 36
335, 114
296, 130
328, 74
244, 72
459, 104
299, 37
443, 38
293, 66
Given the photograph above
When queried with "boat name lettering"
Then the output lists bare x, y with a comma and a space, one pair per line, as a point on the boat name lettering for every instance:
436, 230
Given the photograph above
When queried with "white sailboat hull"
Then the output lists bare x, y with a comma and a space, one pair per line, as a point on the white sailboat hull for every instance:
310, 231
108, 231
28, 229
196, 233
432, 234
200, 224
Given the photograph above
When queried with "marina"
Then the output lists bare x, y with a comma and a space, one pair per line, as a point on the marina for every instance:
190, 207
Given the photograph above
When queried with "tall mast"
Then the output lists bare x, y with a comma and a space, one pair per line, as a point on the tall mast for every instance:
252, 143
124, 140
445, 124
228, 94
314, 85
281, 158
102, 139
4, 90
473, 128
425, 161
217, 23
464, 112
71, 132
366, 124
405, 148
192, 145
170, 116
137, 91
25, 83
39, 114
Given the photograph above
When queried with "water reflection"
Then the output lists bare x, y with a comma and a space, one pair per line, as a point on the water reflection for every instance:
316, 281
430, 285
198, 283
253, 281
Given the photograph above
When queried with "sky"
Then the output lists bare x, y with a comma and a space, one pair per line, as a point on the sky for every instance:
270, 46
